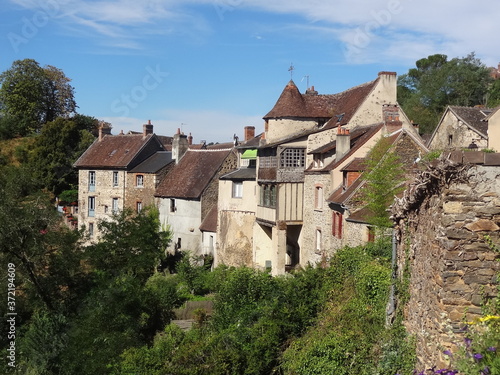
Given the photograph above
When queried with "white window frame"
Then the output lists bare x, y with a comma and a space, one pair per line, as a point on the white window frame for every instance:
115, 179
139, 180
92, 180
115, 205
91, 209
237, 190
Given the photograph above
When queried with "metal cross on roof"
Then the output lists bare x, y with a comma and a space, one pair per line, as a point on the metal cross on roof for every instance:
291, 69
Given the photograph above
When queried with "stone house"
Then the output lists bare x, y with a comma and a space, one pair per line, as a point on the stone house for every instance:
350, 223
106, 177
299, 132
237, 206
461, 127
189, 192
447, 226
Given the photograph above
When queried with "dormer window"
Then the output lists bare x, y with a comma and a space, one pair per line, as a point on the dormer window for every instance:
318, 161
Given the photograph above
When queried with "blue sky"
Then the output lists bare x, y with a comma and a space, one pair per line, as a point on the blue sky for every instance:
212, 67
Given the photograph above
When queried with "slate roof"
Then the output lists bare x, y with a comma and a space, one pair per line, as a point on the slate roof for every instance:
115, 151
209, 224
292, 103
154, 163
241, 174
189, 178
474, 117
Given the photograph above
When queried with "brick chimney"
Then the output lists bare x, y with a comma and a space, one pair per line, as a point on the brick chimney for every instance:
249, 132
147, 129
104, 129
180, 145
390, 114
190, 139
342, 143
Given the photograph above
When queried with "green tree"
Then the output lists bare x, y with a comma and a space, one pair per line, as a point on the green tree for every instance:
31, 95
130, 244
436, 82
384, 175
33, 238
494, 94
59, 145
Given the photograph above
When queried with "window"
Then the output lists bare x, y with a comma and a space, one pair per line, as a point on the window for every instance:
318, 239
450, 140
115, 178
318, 161
138, 206
237, 189
173, 208
114, 206
337, 224
91, 230
91, 212
292, 158
139, 180
91, 180
318, 197
268, 195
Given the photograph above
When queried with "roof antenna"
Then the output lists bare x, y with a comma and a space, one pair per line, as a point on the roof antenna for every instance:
307, 77
291, 69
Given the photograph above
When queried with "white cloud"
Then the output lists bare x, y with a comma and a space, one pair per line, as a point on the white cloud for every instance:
409, 26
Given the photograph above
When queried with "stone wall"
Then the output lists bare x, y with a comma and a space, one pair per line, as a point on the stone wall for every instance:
442, 221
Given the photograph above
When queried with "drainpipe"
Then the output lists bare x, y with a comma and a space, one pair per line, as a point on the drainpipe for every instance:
391, 304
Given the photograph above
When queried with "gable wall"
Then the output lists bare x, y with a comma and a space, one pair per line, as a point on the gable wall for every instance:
461, 134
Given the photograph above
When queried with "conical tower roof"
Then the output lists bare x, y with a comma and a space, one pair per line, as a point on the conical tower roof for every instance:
291, 103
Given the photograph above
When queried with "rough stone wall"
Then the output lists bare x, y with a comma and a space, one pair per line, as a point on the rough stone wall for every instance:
234, 243
144, 194
316, 218
442, 221
104, 194
210, 195
461, 135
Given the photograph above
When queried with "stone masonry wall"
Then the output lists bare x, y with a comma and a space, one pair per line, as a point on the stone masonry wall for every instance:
442, 249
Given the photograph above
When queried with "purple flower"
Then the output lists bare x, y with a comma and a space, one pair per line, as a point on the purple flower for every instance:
448, 353
467, 341
492, 349
485, 371
478, 356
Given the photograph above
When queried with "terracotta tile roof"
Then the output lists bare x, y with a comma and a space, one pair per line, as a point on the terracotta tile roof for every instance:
474, 117
292, 103
209, 224
341, 196
118, 151
189, 178
356, 165
475, 157
367, 133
